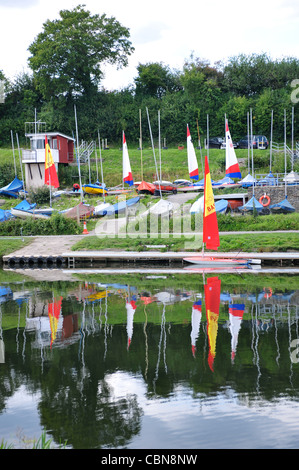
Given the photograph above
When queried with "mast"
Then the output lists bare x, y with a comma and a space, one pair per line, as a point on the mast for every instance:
13, 152
101, 163
251, 145
271, 139
77, 153
17, 137
160, 145
248, 142
292, 161
208, 135
285, 153
149, 124
123, 183
199, 146
140, 144
97, 170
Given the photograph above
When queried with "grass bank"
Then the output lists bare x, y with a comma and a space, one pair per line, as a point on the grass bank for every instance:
254, 242
174, 165
8, 246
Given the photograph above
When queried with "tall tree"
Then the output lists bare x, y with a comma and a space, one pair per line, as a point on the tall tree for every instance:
155, 79
68, 55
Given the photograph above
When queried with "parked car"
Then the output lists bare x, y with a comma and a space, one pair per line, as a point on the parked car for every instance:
216, 142
258, 141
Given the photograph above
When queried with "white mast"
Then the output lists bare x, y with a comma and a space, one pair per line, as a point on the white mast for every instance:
149, 124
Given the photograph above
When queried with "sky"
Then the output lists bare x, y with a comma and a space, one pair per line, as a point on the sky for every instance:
162, 31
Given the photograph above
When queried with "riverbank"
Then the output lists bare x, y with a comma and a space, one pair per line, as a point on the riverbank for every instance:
57, 251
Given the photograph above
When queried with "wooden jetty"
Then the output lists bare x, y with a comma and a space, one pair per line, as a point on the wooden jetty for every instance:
71, 259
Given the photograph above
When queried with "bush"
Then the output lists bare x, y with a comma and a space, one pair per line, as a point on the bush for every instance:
7, 174
56, 225
39, 195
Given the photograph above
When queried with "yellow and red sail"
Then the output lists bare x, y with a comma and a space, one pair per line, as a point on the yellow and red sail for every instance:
51, 178
210, 224
212, 299
54, 311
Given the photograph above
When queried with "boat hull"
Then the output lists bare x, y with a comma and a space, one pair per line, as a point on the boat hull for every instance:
25, 214
94, 189
210, 261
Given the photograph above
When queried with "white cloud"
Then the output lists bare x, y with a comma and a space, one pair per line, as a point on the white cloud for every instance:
152, 31
18, 3
162, 31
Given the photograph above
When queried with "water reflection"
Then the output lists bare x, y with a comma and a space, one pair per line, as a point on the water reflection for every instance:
101, 356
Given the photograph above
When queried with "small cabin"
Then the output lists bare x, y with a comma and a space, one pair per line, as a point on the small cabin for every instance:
62, 150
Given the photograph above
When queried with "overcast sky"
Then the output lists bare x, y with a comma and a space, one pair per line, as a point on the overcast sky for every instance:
162, 31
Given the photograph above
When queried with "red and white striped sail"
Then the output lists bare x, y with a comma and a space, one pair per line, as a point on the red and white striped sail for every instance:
195, 323
131, 307
232, 165
192, 160
127, 173
236, 312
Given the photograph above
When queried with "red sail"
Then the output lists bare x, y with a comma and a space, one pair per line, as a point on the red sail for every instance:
210, 224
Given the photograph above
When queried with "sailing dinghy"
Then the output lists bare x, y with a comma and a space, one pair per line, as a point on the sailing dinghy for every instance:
96, 188
232, 165
12, 189
127, 172
192, 160
210, 231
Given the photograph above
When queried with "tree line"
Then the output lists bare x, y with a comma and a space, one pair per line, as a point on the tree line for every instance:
66, 64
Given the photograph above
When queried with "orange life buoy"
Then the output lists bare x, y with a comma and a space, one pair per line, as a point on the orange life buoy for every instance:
267, 199
268, 292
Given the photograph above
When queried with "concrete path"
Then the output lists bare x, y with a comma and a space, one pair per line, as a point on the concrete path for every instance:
49, 245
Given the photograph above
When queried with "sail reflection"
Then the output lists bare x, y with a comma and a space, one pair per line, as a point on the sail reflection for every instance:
91, 308
212, 298
236, 312
131, 307
101, 354
195, 324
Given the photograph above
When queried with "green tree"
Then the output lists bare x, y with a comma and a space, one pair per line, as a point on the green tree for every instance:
155, 79
68, 55
250, 74
235, 109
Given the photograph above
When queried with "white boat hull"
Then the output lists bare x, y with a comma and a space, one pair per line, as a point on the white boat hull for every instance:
25, 214
221, 262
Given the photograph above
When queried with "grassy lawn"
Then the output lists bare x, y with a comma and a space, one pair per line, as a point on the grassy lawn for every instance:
258, 243
174, 163
10, 245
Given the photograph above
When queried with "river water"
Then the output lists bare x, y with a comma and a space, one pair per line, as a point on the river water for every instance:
150, 361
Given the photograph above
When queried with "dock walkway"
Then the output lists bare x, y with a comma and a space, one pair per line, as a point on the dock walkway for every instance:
55, 251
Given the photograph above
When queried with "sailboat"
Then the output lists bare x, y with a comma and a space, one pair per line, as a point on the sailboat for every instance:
253, 204
231, 162
12, 189
127, 172
249, 179
24, 210
284, 206
192, 160
95, 188
197, 206
210, 231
